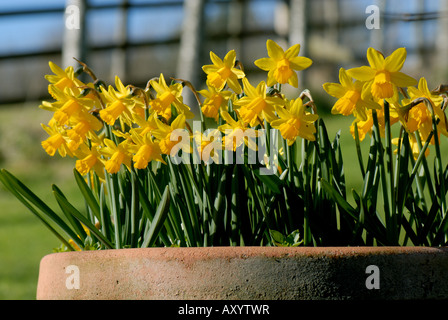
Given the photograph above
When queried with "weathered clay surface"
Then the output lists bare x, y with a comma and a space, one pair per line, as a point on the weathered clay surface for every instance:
247, 273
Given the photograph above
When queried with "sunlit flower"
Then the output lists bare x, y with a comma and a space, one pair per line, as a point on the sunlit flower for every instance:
383, 76
67, 105
415, 147
83, 127
256, 104
281, 65
145, 150
167, 96
167, 140
365, 126
116, 154
215, 102
223, 71
89, 159
294, 121
349, 97
209, 146
63, 79
145, 125
419, 117
237, 133
120, 102
56, 140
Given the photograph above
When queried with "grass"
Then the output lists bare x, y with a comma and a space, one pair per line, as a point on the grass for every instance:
24, 239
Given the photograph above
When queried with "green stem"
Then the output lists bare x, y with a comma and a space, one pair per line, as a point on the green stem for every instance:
390, 167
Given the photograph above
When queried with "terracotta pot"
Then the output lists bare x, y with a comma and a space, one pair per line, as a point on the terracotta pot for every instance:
247, 273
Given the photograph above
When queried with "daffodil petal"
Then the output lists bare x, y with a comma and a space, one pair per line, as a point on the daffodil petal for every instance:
294, 80
300, 63
375, 58
265, 64
282, 113
292, 51
394, 62
209, 68
345, 79
227, 118
363, 73
249, 89
230, 58
423, 87
366, 92
402, 80
215, 59
274, 50
234, 84
239, 73
334, 89
271, 79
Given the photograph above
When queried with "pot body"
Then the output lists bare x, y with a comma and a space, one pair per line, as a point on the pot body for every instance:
246, 273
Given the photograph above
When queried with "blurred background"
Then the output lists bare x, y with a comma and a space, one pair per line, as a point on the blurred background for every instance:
139, 39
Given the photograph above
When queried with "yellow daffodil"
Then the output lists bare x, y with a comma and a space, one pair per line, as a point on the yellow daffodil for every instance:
82, 127
164, 133
419, 117
350, 100
89, 159
116, 154
68, 105
294, 121
57, 140
145, 150
120, 102
167, 96
256, 104
237, 133
414, 146
215, 102
281, 65
145, 126
383, 76
209, 145
62, 79
223, 71
365, 126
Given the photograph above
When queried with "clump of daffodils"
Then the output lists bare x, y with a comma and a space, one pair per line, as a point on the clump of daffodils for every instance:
364, 90
154, 175
108, 127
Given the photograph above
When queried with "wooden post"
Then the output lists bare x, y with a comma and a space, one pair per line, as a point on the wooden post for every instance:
235, 26
299, 13
188, 67
74, 33
441, 65
119, 60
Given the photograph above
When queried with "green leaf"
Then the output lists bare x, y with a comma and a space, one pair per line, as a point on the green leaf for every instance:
291, 240
87, 193
272, 181
339, 199
277, 237
5, 178
29, 198
159, 219
74, 222
63, 202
